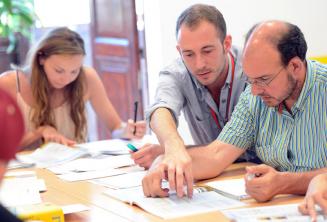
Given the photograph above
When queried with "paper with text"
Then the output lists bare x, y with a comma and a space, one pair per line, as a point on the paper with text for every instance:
280, 213
173, 207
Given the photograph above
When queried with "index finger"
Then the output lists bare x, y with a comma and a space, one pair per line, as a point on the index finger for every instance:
188, 174
311, 209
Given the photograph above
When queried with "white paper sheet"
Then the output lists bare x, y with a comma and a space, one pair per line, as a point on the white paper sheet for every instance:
97, 163
123, 181
20, 191
52, 154
280, 213
90, 175
234, 188
173, 206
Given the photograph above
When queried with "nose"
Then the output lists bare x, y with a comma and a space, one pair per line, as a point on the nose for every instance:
200, 62
65, 79
256, 90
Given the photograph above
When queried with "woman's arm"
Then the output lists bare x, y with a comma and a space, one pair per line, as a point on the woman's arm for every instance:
106, 111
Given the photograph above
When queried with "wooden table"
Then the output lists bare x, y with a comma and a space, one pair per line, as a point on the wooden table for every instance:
105, 208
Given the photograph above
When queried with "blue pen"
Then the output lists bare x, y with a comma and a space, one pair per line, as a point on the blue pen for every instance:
132, 147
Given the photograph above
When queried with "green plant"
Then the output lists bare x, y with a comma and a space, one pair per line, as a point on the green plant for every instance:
16, 16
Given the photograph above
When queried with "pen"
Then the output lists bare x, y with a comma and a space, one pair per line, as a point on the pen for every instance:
132, 147
136, 103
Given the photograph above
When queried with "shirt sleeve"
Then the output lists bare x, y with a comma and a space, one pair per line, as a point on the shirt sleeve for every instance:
168, 95
239, 131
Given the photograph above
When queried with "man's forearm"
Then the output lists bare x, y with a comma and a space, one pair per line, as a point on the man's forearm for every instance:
210, 160
164, 126
297, 183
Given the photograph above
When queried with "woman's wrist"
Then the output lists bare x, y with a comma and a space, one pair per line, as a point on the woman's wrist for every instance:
119, 132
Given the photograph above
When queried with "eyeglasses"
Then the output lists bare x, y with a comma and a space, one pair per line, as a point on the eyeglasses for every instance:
263, 82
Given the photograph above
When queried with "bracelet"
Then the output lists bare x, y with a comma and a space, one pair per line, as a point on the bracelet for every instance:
119, 133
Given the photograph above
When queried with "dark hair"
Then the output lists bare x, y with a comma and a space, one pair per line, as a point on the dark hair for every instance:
199, 12
292, 44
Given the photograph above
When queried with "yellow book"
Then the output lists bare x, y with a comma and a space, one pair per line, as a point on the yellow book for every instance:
45, 212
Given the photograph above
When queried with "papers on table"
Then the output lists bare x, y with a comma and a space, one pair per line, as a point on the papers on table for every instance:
133, 179
173, 206
19, 191
97, 163
109, 147
90, 175
52, 154
234, 188
280, 213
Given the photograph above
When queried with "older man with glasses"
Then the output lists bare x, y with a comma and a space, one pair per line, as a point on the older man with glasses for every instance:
282, 114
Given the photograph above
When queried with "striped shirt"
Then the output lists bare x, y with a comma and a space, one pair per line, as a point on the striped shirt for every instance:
294, 142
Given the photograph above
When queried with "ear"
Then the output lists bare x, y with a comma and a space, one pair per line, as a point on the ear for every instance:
296, 66
227, 43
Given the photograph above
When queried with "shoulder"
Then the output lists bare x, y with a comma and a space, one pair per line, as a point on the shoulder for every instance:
91, 75
237, 54
92, 80
320, 72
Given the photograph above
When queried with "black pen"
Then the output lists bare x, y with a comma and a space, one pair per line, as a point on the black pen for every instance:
136, 103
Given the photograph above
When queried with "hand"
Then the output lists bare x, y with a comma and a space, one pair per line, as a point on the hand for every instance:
139, 127
50, 134
146, 154
178, 165
266, 183
316, 194
151, 183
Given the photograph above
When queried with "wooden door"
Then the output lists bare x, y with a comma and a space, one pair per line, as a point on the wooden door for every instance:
116, 55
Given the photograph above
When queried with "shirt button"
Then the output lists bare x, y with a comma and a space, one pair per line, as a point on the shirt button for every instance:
223, 101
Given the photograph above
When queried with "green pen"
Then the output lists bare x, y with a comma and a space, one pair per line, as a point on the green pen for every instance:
132, 147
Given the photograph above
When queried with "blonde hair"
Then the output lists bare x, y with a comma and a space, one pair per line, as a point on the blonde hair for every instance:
60, 41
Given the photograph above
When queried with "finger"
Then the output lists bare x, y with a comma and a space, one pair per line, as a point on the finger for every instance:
141, 153
179, 181
311, 208
322, 202
145, 186
156, 189
171, 176
303, 208
260, 169
189, 181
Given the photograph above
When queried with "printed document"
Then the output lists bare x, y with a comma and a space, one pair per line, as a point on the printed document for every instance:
280, 213
172, 206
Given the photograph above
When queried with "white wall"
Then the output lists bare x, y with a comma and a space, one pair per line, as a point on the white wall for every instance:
161, 15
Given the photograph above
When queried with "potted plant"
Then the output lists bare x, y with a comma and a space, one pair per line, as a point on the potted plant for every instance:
16, 20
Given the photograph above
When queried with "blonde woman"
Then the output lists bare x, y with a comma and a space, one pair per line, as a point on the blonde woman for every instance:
52, 91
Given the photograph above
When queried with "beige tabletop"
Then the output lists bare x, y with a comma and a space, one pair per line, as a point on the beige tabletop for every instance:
105, 208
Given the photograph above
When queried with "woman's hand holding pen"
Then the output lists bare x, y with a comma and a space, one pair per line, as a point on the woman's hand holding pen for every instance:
138, 127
